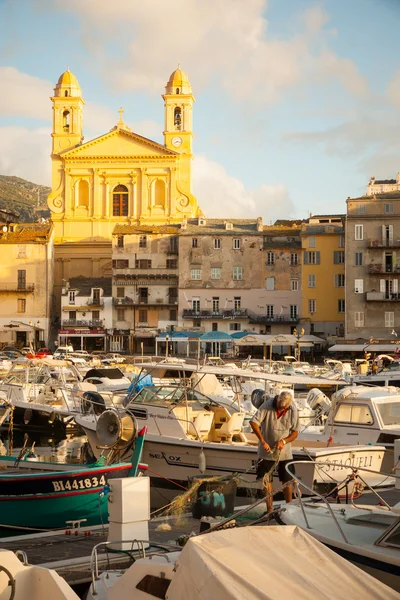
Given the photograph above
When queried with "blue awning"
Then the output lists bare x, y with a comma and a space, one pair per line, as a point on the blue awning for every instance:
216, 336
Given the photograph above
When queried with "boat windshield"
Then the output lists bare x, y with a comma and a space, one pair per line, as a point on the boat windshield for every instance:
391, 537
390, 412
169, 395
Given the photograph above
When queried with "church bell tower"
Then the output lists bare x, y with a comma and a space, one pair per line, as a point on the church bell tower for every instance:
67, 113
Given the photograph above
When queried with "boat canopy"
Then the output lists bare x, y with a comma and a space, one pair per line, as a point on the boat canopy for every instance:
268, 563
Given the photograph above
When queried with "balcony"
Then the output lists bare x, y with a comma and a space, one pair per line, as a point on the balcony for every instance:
94, 302
271, 319
151, 273
17, 287
384, 243
382, 297
122, 301
379, 268
82, 323
169, 300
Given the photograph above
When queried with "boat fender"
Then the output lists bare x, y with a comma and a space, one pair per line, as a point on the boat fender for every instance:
202, 462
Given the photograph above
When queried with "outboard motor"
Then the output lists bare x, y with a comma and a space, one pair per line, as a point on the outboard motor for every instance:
257, 398
317, 400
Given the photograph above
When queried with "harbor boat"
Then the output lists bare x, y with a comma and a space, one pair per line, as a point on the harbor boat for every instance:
190, 434
256, 563
107, 379
23, 581
368, 536
49, 499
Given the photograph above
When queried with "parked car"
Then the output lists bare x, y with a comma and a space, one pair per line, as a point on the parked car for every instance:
113, 357
42, 352
11, 349
61, 351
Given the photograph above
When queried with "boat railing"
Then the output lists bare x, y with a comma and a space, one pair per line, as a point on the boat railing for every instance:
136, 546
351, 477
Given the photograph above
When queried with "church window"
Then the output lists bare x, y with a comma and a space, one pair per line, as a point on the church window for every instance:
159, 193
178, 118
83, 193
120, 201
177, 90
66, 121
66, 93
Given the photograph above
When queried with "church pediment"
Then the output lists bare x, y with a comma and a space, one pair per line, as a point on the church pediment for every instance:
119, 143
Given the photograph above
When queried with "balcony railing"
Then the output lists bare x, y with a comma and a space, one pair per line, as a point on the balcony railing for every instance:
159, 272
281, 318
382, 297
123, 301
82, 323
17, 287
214, 314
377, 268
95, 302
384, 243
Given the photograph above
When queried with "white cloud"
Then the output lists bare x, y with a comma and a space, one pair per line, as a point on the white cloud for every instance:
230, 43
25, 153
219, 194
23, 95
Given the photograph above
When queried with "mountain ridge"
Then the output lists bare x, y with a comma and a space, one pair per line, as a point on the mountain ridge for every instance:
25, 199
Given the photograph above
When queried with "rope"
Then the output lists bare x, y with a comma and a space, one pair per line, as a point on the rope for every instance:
11, 431
169, 480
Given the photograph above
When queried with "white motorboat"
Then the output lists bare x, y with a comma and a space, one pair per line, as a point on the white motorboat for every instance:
368, 536
107, 379
190, 434
239, 563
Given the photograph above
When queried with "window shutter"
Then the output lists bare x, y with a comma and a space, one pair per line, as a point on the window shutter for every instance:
317, 257
306, 258
395, 286
336, 280
389, 319
383, 232
335, 257
382, 285
359, 286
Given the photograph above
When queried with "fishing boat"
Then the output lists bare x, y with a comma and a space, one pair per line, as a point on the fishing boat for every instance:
53, 497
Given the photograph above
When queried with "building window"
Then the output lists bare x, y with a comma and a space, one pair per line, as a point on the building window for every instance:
338, 257
294, 285
312, 257
237, 273
339, 279
120, 264
96, 295
358, 259
389, 208
270, 283
195, 274
312, 306
120, 292
143, 263
359, 286
214, 326
237, 303
196, 305
294, 259
341, 241
194, 243
173, 314
120, 241
120, 201
389, 319
216, 273
196, 323
341, 306
143, 241
311, 241
293, 311
21, 305
173, 245
361, 209
215, 304
358, 319
96, 315
72, 315
172, 263
22, 280
21, 252
270, 258
236, 243
359, 232
142, 316
217, 244
235, 327
312, 281
173, 295
120, 314
71, 297
270, 311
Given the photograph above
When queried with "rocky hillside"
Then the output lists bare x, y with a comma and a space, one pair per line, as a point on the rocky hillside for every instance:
23, 198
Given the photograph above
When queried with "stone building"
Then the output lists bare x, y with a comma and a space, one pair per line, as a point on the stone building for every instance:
323, 275
373, 266
26, 282
380, 186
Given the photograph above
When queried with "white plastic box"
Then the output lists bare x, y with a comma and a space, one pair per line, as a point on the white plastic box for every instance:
128, 531
129, 499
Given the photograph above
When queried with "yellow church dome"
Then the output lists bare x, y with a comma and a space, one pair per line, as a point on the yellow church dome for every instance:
67, 85
178, 83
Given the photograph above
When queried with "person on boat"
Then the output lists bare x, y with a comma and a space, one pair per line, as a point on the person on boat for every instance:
276, 425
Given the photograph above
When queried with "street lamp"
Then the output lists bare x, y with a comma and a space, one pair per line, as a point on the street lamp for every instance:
166, 345
298, 336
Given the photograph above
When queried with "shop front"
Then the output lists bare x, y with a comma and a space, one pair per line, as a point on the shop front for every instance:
83, 339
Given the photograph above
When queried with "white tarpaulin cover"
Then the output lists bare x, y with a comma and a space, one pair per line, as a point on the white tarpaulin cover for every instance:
274, 563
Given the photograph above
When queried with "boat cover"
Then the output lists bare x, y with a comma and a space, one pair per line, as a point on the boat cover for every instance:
271, 563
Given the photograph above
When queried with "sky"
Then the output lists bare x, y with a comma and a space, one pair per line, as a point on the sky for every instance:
297, 101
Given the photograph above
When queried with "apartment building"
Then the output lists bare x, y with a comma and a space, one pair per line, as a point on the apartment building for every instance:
26, 282
323, 275
144, 283
381, 186
86, 313
373, 266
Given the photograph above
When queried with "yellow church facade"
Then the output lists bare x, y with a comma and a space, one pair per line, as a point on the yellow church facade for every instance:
117, 178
